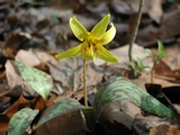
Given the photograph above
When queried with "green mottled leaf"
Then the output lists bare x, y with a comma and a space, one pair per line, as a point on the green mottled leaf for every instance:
38, 80
122, 88
58, 108
21, 121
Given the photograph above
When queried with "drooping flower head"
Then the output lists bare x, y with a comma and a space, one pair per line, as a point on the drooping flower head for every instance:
92, 42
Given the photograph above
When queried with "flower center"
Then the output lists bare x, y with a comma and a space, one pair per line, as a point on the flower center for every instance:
91, 44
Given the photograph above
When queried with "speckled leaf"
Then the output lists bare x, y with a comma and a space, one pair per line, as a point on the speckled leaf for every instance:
58, 108
21, 121
38, 80
122, 88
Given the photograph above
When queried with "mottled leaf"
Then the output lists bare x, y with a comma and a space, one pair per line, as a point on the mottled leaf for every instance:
21, 121
122, 88
38, 80
58, 108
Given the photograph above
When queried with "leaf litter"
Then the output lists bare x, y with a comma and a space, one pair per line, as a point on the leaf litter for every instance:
44, 31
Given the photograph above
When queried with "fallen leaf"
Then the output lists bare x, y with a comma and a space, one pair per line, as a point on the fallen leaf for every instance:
169, 29
153, 7
121, 7
165, 129
28, 57
146, 78
13, 44
13, 77
143, 125
69, 73
121, 111
148, 36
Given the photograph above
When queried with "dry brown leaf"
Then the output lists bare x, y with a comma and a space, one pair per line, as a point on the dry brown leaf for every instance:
155, 8
147, 36
13, 44
41, 103
4, 103
152, 7
19, 104
121, 111
3, 89
13, 77
28, 57
142, 125
145, 78
170, 25
69, 73
93, 77
165, 130
22, 102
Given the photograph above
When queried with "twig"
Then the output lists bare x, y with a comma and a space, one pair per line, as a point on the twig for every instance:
135, 30
84, 83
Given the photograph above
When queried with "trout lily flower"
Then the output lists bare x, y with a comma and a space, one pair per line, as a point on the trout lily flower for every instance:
92, 42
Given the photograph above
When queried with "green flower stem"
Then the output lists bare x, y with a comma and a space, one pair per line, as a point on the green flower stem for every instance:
84, 83
135, 30
152, 70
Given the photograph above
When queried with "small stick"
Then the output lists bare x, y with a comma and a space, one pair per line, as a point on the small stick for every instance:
84, 83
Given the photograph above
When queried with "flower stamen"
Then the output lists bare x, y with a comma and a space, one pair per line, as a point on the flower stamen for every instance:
87, 47
94, 47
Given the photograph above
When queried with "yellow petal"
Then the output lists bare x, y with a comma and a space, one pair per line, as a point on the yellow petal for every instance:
105, 55
74, 51
99, 30
89, 53
109, 35
78, 29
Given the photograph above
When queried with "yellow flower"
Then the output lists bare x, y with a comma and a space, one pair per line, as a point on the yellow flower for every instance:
92, 42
